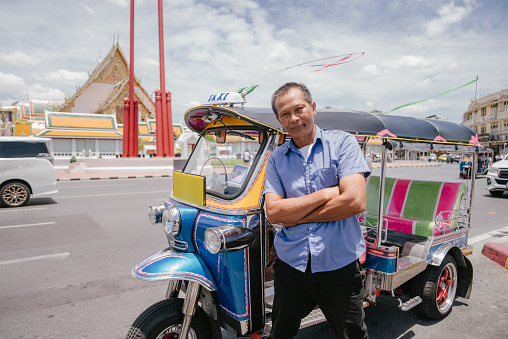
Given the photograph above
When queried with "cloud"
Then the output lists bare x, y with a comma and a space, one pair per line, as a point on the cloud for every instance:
449, 14
407, 61
19, 59
279, 53
41, 92
63, 75
371, 70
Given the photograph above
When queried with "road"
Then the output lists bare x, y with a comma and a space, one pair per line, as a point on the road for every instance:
66, 264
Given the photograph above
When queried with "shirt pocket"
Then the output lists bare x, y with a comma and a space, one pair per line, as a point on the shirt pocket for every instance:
325, 177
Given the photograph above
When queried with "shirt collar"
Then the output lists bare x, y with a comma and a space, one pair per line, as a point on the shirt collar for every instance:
292, 146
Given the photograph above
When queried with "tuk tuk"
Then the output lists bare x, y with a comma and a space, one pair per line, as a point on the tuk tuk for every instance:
219, 241
484, 160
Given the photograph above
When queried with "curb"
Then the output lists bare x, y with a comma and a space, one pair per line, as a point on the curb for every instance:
497, 252
116, 177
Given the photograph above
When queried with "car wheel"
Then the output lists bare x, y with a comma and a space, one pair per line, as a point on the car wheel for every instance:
496, 193
14, 194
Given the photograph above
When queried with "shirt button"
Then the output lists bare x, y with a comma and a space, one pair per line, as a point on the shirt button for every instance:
304, 164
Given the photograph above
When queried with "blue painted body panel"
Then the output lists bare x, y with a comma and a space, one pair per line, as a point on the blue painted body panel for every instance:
169, 264
229, 268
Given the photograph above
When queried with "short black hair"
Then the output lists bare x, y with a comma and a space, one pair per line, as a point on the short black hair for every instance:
286, 87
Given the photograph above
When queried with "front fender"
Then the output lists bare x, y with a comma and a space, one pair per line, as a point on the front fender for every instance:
168, 264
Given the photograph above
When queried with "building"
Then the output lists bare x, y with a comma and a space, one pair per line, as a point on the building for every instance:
488, 117
106, 88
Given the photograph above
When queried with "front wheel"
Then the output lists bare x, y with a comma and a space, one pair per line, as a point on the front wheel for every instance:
437, 287
163, 320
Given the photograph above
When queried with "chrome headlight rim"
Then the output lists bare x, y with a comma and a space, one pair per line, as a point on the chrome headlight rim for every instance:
155, 213
171, 220
219, 241
228, 238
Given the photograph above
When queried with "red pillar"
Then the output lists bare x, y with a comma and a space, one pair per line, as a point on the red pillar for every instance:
164, 111
133, 115
135, 131
170, 138
158, 123
126, 111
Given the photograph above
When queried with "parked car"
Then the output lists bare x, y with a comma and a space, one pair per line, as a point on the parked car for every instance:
26, 169
453, 158
497, 177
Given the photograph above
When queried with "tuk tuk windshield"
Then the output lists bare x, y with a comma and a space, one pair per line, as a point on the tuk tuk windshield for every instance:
226, 157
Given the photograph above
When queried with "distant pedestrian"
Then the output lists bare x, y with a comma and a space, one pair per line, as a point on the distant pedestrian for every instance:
246, 157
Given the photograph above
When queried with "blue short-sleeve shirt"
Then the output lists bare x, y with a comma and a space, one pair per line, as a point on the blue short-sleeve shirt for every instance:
332, 245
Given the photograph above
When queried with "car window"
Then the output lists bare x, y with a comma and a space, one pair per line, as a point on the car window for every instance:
22, 149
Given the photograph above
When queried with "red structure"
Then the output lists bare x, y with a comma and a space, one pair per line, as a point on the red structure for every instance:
163, 119
130, 124
164, 125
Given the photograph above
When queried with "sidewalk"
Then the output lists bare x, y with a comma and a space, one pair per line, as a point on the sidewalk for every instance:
497, 251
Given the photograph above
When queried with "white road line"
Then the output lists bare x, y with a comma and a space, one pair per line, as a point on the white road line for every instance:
22, 209
95, 186
109, 194
29, 225
488, 235
40, 257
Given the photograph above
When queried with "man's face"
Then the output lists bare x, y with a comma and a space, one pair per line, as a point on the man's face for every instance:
296, 115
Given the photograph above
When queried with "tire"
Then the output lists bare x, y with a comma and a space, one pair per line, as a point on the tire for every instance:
14, 194
163, 320
496, 193
437, 286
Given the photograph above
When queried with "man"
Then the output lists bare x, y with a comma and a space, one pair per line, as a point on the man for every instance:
315, 187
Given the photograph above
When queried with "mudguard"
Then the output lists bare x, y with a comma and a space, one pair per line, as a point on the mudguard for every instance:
168, 264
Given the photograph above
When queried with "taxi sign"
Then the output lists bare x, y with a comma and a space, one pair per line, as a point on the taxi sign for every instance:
226, 98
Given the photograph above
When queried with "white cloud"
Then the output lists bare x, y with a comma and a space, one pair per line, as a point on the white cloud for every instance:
41, 92
9, 80
449, 14
406, 61
63, 75
19, 59
371, 70
278, 53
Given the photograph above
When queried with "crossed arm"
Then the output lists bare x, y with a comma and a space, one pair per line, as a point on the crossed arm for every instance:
328, 204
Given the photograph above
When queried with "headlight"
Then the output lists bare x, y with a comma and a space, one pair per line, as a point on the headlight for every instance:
493, 171
228, 238
171, 220
155, 213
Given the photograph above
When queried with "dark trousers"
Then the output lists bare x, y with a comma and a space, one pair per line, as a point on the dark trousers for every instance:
338, 293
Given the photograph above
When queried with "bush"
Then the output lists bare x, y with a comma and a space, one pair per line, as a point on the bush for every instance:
73, 159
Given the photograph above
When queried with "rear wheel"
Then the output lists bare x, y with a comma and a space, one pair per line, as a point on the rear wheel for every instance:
437, 286
163, 320
14, 194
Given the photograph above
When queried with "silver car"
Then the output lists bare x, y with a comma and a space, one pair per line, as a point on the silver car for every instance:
26, 169
497, 177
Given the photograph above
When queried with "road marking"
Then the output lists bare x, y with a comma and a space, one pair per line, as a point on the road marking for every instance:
29, 225
95, 186
109, 194
23, 209
499, 232
40, 257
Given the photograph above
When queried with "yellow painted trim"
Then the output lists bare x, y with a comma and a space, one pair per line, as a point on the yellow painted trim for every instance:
83, 134
81, 122
189, 187
468, 251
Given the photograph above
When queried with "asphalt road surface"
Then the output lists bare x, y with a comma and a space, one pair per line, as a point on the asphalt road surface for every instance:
65, 265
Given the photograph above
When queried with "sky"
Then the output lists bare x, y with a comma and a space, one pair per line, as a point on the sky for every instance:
413, 49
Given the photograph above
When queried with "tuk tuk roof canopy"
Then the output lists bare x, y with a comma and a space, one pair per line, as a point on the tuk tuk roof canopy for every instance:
354, 122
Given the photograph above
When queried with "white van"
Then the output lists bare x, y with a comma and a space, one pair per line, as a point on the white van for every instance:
26, 169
